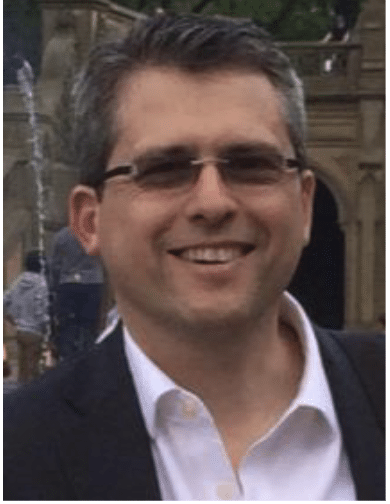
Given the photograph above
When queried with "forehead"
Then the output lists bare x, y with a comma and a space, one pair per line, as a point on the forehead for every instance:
163, 105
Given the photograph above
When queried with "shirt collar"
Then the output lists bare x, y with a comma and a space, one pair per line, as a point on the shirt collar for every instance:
152, 383
314, 390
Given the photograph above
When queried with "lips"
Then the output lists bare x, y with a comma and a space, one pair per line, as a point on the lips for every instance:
213, 253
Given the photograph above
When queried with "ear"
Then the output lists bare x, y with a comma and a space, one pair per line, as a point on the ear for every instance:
84, 207
308, 186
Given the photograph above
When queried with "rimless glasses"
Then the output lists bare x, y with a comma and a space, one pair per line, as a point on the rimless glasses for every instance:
170, 170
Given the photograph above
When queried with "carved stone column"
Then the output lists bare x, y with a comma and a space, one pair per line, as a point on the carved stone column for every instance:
351, 241
367, 217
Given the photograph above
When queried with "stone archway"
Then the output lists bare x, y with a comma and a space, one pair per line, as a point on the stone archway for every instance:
319, 280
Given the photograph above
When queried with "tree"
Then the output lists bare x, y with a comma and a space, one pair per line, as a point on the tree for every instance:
21, 36
285, 19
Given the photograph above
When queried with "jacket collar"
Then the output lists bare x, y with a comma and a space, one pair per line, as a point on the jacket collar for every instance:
104, 444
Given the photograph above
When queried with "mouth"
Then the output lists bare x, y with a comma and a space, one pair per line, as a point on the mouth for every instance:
213, 254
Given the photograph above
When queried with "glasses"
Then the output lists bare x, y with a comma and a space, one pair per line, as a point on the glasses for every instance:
181, 171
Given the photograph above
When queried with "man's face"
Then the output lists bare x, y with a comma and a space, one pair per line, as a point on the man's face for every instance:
213, 252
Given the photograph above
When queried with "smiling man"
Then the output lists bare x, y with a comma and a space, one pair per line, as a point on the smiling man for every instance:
195, 193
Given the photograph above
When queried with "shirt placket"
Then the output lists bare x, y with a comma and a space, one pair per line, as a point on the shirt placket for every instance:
198, 446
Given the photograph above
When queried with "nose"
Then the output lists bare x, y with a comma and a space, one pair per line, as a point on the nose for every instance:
210, 203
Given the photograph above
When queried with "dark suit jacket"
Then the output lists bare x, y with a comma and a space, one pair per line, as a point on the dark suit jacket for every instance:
78, 433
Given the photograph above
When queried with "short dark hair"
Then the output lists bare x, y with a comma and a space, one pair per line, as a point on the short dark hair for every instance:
187, 42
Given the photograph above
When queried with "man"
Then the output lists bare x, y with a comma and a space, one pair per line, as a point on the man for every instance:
195, 193
77, 288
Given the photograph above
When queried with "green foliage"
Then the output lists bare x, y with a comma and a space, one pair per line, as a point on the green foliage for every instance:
285, 19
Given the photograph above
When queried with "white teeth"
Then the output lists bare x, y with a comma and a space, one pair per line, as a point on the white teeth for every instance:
191, 254
225, 255
209, 254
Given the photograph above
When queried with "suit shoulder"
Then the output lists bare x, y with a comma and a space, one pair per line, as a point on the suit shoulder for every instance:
30, 438
366, 354
350, 338
365, 350
364, 344
44, 400
41, 415
33, 404
71, 387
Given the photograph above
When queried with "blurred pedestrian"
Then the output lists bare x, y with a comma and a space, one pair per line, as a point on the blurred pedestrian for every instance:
25, 305
6, 366
77, 286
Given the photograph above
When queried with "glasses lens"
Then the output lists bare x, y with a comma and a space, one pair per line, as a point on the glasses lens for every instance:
254, 169
164, 173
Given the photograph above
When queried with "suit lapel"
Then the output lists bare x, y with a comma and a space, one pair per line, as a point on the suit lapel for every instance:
104, 444
363, 439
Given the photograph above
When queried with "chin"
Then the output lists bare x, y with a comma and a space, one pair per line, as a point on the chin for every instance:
208, 319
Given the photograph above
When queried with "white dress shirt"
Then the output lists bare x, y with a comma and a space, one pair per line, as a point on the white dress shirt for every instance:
300, 458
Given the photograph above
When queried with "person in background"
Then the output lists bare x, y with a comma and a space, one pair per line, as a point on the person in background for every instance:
77, 287
341, 13
6, 365
26, 305
195, 191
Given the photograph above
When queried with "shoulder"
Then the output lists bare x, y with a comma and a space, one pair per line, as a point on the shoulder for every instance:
65, 390
366, 352
356, 344
33, 408
31, 430
362, 352
45, 419
33, 420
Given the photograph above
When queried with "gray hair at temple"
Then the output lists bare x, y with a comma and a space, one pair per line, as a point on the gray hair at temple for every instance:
187, 42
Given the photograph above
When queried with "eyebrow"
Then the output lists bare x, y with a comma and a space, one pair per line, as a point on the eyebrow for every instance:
181, 150
230, 149
250, 148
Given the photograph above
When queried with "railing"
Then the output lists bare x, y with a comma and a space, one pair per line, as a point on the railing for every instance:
96, 5
330, 68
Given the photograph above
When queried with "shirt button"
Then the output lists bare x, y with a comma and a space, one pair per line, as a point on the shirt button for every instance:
225, 491
188, 409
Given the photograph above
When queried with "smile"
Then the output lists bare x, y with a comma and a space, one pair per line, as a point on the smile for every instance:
216, 254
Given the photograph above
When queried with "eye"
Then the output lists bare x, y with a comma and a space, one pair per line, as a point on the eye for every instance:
255, 168
164, 173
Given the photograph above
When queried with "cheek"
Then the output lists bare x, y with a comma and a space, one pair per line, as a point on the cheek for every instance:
132, 229
280, 220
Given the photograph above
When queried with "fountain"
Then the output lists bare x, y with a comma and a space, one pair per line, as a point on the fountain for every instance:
25, 77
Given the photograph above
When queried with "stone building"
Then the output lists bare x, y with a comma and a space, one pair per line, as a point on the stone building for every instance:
345, 87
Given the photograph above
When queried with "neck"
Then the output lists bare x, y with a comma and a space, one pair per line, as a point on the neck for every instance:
246, 376
239, 360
